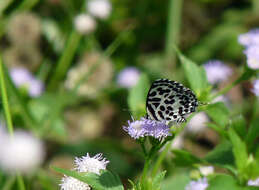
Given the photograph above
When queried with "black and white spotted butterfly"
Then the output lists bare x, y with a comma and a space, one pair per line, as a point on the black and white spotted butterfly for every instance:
170, 101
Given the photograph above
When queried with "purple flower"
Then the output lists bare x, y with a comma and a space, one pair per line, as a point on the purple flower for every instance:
128, 77
253, 182
201, 184
249, 38
252, 55
23, 78
135, 129
255, 88
156, 129
217, 71
147, 127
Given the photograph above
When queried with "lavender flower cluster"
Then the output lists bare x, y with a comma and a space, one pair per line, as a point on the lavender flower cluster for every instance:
146, 127
250, 41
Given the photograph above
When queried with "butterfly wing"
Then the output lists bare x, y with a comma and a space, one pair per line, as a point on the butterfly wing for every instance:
169, 101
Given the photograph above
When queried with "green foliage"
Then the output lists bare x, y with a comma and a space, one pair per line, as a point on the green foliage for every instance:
223, 182
195, 74
184, 158
221, 156
239, 125
253, 133
156, 182
176, 182
239, 150
146, 35
137, 96
218, 113
150, 184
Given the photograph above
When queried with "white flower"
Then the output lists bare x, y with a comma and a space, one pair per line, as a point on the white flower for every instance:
22, 152
99, 8
70, 183
128, 77
255, 88
201, 184
197, 123
23, 78
88, 164
206, 170
217, 71
84, 24
94, 84
252, 55
24, 28
253, 182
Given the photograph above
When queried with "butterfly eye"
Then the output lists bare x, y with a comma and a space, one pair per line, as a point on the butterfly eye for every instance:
170, 101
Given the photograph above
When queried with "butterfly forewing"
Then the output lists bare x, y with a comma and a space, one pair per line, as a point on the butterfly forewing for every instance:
169, 101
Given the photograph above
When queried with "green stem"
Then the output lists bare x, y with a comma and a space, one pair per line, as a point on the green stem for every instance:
161, 158
145, 170
143, 148
65, 59
173, 30
20, 182
7, 112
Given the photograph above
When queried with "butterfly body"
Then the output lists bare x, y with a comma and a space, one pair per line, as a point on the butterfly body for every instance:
170, 101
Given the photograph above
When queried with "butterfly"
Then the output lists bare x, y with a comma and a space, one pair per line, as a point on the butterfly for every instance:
170, 101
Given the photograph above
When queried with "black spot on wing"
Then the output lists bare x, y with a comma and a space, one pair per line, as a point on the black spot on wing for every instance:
161, 114
162, 108
152, 94
169, 101
156, 104
154, 99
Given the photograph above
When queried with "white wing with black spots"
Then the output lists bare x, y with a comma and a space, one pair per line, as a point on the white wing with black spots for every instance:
170, 101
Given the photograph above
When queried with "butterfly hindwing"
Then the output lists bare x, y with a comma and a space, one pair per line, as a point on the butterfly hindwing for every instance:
169, 101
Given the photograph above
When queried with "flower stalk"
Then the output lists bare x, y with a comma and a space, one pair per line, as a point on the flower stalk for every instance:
7, 112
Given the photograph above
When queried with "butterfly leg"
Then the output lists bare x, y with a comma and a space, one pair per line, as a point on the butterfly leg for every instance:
181, 120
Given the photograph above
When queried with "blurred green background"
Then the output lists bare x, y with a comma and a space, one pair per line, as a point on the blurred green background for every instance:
82, 103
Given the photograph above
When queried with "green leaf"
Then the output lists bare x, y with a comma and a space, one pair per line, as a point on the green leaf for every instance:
222, 156
184, 158
253, 132
157, 180
219, 113
195, 74
252, 169
137, 96
239, 124
221, 131
239, 150
223, 182
105, 181
177, 182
